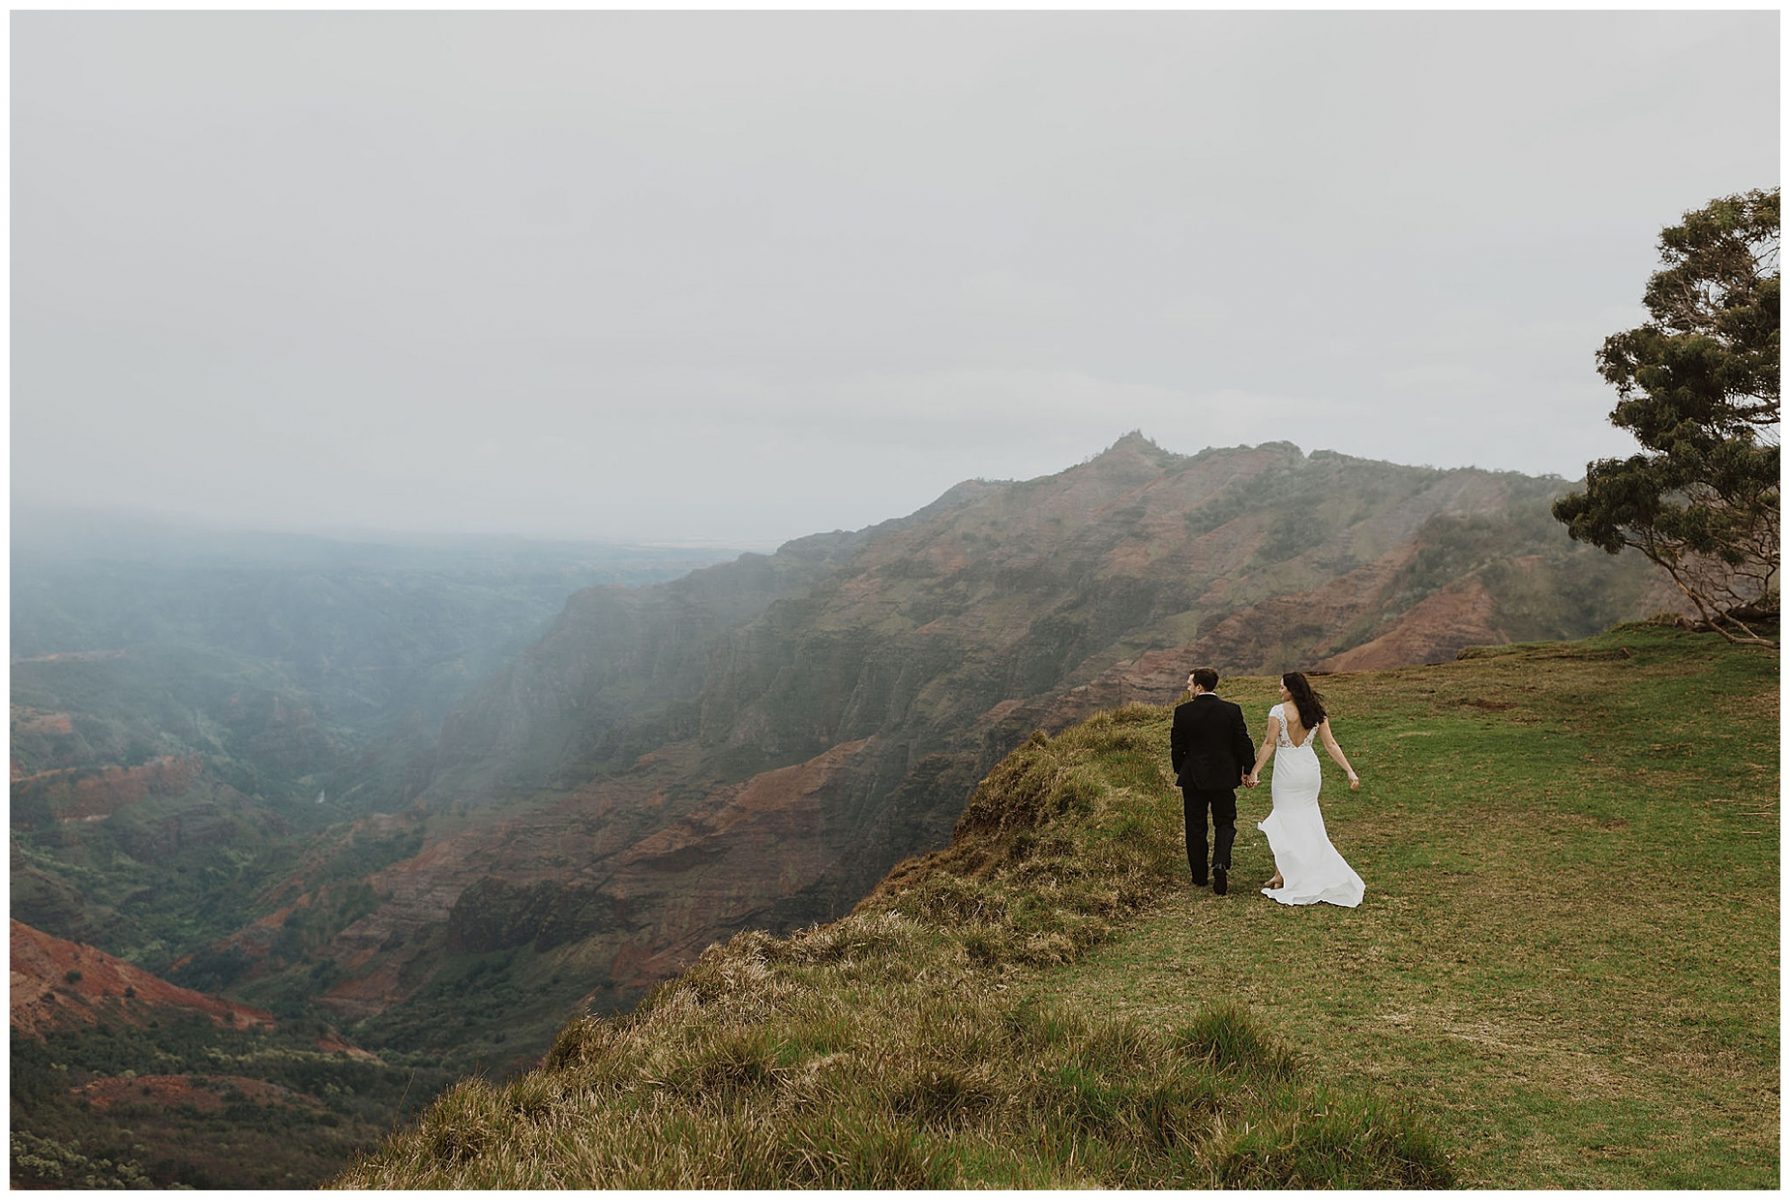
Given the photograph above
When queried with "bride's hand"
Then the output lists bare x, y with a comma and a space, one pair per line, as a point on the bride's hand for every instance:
1354, 782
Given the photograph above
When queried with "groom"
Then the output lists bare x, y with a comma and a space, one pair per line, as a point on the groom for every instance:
1210, 750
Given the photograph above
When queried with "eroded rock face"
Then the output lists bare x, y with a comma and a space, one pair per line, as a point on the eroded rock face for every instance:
59, 984
758, 743
493, 914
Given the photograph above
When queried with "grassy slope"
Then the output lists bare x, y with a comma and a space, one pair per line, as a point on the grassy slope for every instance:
1569, 950
1564, 973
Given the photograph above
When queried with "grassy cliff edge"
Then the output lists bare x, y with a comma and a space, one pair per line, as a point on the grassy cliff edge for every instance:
1045, 1003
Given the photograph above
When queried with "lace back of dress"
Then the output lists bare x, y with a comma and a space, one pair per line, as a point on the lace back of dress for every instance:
1286, 737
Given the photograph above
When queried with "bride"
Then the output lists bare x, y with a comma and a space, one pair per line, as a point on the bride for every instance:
1307, 867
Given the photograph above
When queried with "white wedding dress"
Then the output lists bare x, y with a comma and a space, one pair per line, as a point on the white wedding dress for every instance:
1310, 868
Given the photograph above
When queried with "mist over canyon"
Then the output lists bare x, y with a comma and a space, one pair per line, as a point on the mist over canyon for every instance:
408, 816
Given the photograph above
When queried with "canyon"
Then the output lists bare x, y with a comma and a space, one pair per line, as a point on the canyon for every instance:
408, 809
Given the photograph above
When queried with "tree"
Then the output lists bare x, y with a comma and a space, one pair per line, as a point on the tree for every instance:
1698, 388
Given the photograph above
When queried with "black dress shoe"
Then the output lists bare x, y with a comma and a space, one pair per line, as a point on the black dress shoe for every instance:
1221, 882
1199, 883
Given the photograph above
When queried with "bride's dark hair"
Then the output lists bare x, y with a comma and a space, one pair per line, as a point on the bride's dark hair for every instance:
1308, 702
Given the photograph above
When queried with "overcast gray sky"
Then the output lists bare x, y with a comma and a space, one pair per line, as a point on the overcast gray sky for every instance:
739, 277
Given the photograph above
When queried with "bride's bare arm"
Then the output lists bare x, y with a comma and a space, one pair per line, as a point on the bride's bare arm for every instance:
1269, 741
1336, 753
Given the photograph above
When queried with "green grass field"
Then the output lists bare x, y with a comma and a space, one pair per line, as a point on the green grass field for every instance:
1568, 953
1564, 973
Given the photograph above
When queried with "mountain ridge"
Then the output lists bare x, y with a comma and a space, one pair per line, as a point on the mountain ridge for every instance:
754, 744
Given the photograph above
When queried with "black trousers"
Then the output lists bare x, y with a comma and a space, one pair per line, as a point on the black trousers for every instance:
1223, 804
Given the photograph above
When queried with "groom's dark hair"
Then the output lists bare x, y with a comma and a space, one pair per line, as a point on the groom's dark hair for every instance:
1207, 678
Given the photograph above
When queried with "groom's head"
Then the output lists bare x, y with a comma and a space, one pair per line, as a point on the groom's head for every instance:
1203, 679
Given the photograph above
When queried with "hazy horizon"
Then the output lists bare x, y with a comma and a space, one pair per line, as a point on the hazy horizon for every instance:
728, 279
216, 523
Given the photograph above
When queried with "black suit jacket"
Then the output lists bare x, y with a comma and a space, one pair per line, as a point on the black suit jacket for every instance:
1209, 745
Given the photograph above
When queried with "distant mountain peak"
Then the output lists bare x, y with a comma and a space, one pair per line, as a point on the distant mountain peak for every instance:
1136, 446
1288, 448
1133, 440
1132, 444
1131, 453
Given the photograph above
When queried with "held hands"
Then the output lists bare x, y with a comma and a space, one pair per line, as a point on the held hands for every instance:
1250, 780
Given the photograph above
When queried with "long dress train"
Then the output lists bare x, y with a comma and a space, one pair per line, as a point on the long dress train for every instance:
1310, 868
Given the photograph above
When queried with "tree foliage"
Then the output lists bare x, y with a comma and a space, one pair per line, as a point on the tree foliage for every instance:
1698, 388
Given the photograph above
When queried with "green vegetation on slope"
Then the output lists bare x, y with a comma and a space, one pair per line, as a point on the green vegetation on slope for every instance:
316, 1109
1566, 962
